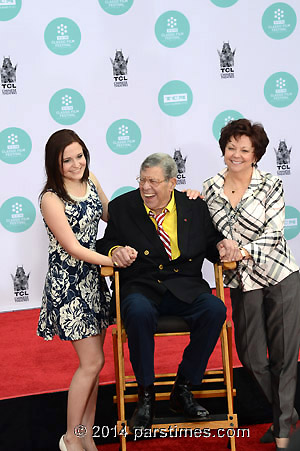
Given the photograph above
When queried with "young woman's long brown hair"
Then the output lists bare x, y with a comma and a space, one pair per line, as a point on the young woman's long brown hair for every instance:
54, 151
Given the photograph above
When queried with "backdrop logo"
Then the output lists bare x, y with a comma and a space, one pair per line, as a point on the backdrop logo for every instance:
180, 163
291, 223
224, 3
17, 214
122, 190
9, 9
223, 119
172, 29
67, 106
123, 136
21, 285
62, 36
15, 145
279, 21
119, 65
116, 7
281, 89
175, 98
8, 76
226, 61
283, 158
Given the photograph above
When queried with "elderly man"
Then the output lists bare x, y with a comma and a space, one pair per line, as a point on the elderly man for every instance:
159, 238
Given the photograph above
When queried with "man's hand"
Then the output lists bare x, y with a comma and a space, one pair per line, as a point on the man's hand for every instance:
123, 256
229, 251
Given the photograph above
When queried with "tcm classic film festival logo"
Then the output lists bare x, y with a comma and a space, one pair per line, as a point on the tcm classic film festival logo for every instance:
9, 9
283, 156
119, 65
62, 36
8, 77
180, 163
279, 20
226, 61
15, 145
21, 285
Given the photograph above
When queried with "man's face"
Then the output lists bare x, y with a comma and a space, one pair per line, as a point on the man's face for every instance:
155, 189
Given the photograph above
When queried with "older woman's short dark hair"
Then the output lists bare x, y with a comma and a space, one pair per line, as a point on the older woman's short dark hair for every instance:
254, 131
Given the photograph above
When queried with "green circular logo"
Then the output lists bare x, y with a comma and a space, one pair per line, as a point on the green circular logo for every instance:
281, 89
279, 21
122, 190
15, 145
9, 9
123, 136
116, 7
172, 29
67, 106
175, 98
291, 223
223, 119
62, 36
17, 214
224, 3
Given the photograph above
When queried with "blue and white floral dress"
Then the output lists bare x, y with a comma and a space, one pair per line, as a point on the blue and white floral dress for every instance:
73, 305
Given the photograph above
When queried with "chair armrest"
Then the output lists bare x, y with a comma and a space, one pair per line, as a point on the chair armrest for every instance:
107, 271
228, 265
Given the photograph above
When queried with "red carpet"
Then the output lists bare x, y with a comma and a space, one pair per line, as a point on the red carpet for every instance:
29, 365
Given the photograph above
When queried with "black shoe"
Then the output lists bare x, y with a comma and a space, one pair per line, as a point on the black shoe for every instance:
268, 436
182, 400
144, 412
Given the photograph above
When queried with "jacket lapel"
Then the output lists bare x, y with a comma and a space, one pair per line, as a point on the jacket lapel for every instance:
184, 218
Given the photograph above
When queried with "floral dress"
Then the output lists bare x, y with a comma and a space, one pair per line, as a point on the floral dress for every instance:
73, 305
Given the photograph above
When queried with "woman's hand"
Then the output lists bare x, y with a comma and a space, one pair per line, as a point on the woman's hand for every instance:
192, 193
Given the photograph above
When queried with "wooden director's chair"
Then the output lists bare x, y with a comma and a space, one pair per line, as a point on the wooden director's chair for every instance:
211, 378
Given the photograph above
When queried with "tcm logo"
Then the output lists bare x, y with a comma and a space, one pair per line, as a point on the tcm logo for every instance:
21, 285
283, 158
119, 65
291, 222
226, 61
8, 76
180, 163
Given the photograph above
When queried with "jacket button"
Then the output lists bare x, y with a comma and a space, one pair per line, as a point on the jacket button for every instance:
161, 266
190, 259
146, 252
159, 281
176, 270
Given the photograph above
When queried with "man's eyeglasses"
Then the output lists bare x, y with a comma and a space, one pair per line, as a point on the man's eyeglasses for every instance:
153, 182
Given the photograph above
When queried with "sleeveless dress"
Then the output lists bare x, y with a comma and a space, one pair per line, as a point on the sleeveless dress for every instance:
73, 305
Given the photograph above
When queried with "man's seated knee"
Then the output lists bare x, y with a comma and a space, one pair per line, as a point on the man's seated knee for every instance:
137, 308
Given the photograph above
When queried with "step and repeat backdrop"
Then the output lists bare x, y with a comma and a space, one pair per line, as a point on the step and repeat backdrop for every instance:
133, 77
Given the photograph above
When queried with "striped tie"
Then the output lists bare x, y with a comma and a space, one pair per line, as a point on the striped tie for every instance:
160, 231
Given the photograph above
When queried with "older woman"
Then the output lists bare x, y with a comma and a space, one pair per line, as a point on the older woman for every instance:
247, 205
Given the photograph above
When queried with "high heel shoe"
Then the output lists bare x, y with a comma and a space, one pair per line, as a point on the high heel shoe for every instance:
62, 445
268, 436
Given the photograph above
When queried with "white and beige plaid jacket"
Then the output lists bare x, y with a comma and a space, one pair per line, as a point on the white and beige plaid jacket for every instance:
256, 224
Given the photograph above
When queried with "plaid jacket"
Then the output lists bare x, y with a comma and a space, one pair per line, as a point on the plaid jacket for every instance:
257, 225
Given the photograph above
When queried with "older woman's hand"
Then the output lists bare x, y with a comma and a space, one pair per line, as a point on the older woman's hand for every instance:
193, 193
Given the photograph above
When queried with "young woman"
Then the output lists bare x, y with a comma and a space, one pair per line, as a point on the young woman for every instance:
73, 306
247, 205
